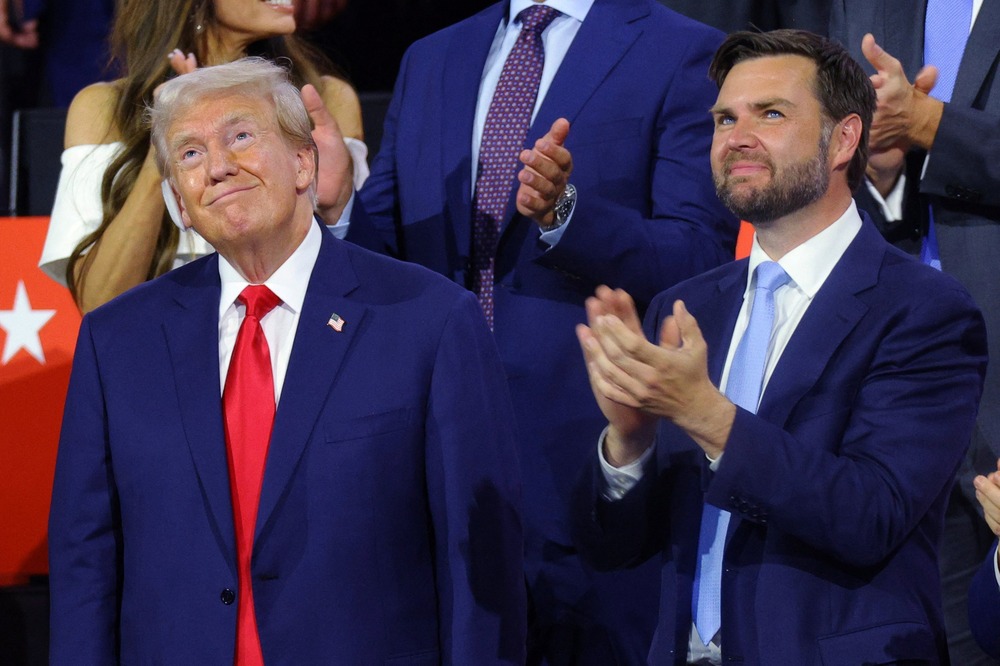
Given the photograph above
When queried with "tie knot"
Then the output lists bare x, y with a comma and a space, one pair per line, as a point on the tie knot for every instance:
259, 300
770, 275
536, 18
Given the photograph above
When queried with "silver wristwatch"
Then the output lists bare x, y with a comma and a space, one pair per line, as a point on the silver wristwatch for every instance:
563, 208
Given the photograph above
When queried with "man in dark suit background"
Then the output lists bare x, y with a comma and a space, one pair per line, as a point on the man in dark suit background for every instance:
764, 15
797, 516
372, 517
936, 156
629, 76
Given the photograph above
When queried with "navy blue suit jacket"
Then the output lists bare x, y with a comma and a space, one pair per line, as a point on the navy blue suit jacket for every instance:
837, 486
984, 606
388, 527
635, 89
960, 181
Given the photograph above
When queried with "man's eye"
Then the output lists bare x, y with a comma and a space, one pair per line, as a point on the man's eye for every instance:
725, 120
188, 154
240, 136
771, 113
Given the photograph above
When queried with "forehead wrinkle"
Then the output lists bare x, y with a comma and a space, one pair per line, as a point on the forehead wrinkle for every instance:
218, 125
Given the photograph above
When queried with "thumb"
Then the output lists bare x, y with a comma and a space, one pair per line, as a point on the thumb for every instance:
690, 332
670, 335
318, 112
559, 131
926, 78
877, 56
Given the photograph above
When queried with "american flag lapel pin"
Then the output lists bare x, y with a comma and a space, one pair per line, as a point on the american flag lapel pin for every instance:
336, 322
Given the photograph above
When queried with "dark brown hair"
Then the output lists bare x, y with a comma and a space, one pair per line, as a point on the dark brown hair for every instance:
841, 86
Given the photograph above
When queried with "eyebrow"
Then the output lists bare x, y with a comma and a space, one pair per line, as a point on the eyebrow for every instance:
226, 121
760, 105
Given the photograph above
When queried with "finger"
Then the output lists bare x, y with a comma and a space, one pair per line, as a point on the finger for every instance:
626, 347
687, 325
604, 375
926, 79
609, 380
532, 203
879, 58
320, 115
670, 333
623, 307
538, 182
549, 160
182, 64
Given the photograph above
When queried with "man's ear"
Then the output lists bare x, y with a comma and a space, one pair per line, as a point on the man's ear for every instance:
307, 161
845, 140
175, 204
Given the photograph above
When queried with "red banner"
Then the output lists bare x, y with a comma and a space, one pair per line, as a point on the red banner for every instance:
38, 329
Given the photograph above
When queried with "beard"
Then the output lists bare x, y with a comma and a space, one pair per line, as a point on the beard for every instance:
791, 188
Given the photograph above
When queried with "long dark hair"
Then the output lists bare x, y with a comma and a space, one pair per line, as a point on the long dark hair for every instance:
144, 32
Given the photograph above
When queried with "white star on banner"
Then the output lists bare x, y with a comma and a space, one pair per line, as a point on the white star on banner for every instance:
22, 325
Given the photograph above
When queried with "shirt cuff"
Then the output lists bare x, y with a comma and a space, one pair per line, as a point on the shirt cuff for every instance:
339, 230
996, 565
619, 480
892, 205
553, 237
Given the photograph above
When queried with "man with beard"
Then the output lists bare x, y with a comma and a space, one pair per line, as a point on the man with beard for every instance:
787, 437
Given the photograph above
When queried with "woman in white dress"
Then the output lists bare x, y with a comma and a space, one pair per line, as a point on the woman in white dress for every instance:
109, 229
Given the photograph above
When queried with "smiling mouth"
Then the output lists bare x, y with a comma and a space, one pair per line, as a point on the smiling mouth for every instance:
229, 193
278, 3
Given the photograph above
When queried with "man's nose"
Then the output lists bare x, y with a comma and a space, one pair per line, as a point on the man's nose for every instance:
221, 163
741, 134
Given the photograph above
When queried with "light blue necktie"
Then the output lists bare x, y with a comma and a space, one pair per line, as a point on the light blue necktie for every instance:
746, 376
946, 30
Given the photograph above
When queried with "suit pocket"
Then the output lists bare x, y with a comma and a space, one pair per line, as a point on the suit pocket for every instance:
367, 426
897, 643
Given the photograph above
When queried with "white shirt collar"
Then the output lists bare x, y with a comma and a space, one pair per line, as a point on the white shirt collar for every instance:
576, 9
809, 264
289, 282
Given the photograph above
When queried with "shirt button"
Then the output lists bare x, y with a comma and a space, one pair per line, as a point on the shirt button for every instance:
228, 596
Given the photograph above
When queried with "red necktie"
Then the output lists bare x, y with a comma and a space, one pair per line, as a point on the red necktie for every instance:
248, 407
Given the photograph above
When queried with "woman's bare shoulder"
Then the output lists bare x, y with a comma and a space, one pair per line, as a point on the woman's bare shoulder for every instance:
90, 119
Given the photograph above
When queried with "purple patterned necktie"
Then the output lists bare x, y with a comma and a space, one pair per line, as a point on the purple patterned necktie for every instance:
504, 133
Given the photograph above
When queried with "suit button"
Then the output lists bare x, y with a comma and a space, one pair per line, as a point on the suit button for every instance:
228, 596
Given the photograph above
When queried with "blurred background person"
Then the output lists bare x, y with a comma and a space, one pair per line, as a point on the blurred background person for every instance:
933, 189
109, 229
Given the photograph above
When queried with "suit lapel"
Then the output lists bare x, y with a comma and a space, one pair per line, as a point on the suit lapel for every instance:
191, 329
981, 53
606, 35
317, 355
463, 71
833, 314
718, 319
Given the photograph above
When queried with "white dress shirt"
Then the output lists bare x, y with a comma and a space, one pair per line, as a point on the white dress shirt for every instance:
556, 38
808, 266
289, 283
